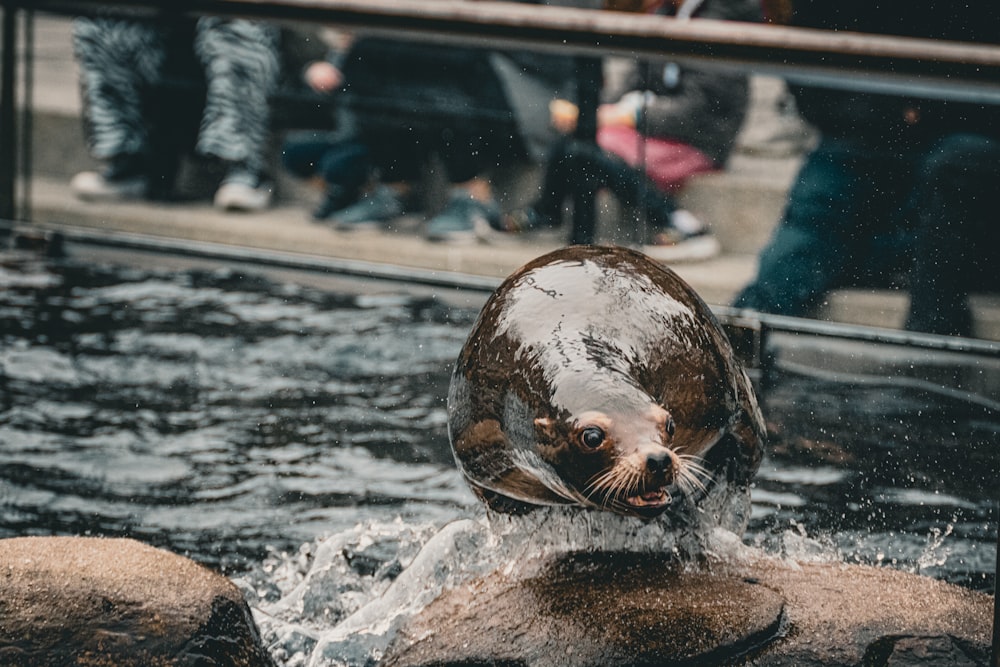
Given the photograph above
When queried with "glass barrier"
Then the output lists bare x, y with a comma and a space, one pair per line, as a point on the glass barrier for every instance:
789, 158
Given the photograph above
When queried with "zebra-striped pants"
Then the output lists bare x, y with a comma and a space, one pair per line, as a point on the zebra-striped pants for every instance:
120, 59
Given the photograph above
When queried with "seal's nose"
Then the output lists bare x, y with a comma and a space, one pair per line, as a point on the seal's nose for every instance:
658, 463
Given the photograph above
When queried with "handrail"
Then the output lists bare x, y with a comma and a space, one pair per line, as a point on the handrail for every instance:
957, 70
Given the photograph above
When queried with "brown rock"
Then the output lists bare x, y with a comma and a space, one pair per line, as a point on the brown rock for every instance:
599, 610
92, 601
927, 651
637, 610
838, 613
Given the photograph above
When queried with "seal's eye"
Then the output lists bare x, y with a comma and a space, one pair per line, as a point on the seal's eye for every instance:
671, 427
592, 437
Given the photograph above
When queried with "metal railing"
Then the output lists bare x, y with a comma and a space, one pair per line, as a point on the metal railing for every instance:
951, 69
969, 72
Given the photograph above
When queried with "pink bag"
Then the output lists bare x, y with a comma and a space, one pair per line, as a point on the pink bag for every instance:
667, 163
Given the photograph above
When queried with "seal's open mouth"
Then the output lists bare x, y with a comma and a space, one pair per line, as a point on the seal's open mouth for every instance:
649, 502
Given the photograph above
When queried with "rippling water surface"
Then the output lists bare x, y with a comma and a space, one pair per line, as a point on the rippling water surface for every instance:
231, 418
218, 415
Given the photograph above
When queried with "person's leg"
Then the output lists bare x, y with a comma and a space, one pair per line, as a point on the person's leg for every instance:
556, 181
469, 153
546, 210
395, 155
574, 166
472, 148
956, 202
629, 185
241, 70
663, 231
581, 165
119, 60
346, 170
823, 229
398, 153
302, 156
341, 163
345, 164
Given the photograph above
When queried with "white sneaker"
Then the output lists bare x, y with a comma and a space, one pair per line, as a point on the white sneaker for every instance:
696, 248
686, 239
686, 222
243, 191
93, 186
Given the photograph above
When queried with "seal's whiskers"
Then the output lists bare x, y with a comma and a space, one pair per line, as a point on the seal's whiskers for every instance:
692, 475
614, 483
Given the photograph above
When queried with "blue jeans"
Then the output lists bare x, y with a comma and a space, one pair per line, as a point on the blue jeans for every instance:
343, 163
861, 215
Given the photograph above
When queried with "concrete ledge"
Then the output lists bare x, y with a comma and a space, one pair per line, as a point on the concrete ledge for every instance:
287, 228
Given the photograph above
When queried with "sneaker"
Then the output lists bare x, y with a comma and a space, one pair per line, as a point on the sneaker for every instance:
336, 199
243, 190
373, 209
671, 245
124, 178
686, 222
513, 224
458, 221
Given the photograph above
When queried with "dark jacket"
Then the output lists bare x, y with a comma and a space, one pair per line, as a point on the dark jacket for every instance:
415, 82
897, 117
701, 106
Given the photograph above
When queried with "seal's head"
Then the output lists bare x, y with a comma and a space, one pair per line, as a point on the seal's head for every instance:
620, 462
595, 377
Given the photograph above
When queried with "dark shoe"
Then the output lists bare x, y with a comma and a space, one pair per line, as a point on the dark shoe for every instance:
372, 209
514, 224
687, 240
527, 219
243, 190
458, 221
335, 199
125, 177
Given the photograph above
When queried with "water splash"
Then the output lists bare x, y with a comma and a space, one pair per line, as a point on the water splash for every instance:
343, 599
935, 554
340, 602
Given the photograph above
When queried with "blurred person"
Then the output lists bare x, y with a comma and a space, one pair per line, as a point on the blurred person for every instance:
339, 158
474, 109
901, 189
133, 126
665, 124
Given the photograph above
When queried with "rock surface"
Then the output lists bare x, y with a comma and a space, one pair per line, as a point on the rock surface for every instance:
640, 611
95, 602
602, 609
842, 614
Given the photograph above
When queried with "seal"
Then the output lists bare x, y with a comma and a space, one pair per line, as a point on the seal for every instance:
595, 377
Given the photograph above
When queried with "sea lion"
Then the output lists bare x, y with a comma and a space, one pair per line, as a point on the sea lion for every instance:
596, 377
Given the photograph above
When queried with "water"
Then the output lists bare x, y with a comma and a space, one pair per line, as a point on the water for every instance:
219, 415
296, 440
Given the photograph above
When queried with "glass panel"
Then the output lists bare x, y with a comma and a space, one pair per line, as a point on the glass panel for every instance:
724, 148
